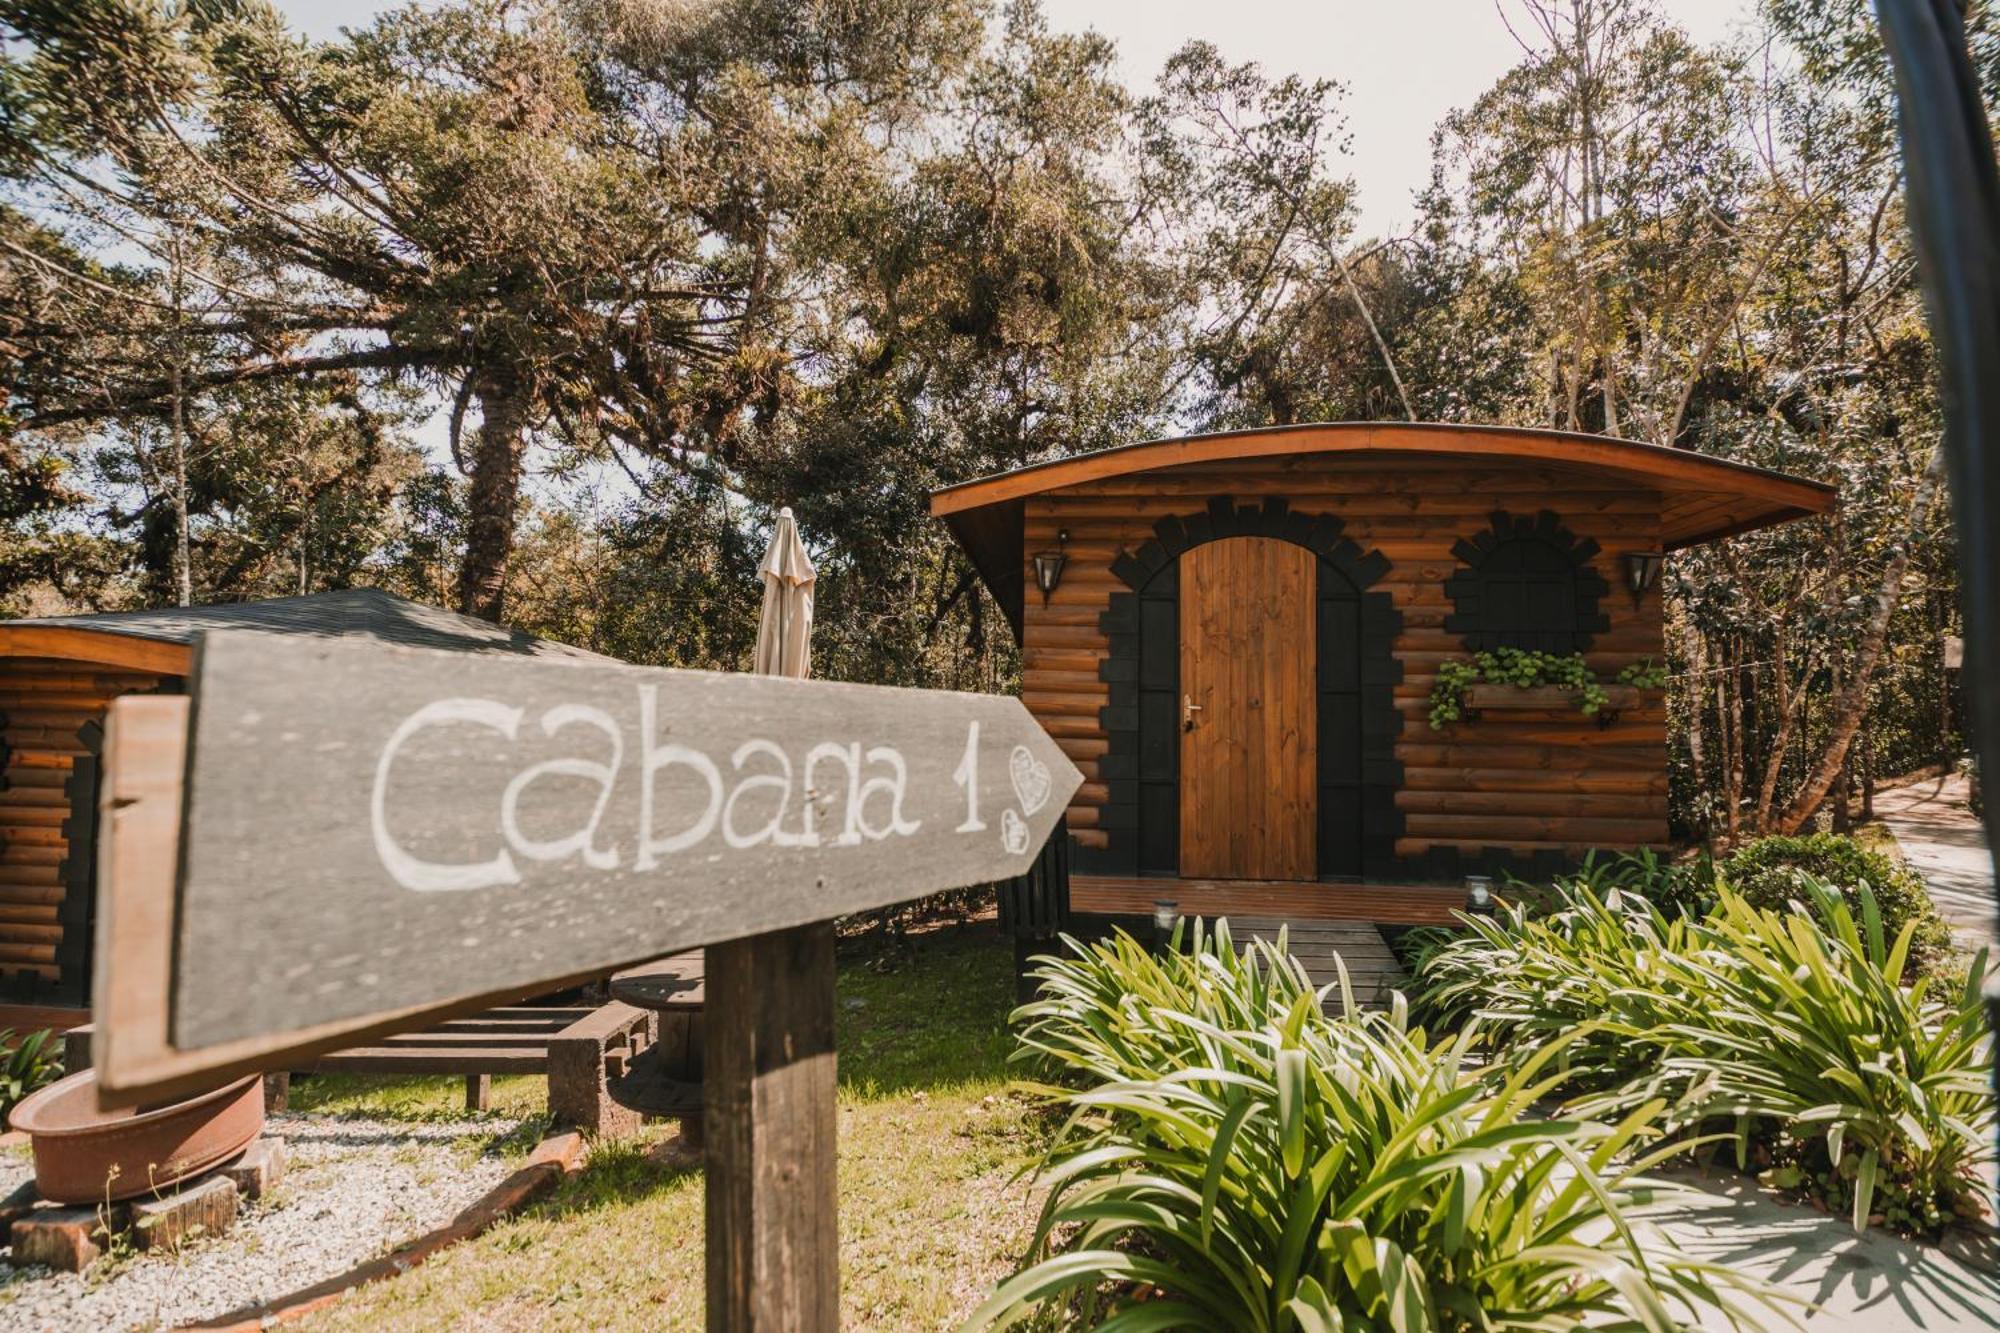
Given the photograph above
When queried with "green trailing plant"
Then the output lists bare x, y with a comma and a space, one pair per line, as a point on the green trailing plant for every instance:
1527, 670
1233, 1159
1786, 1026
1650, 674
33, 1060
1769, 872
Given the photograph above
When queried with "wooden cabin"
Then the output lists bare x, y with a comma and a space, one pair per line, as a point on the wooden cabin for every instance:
58, 677
1244, 629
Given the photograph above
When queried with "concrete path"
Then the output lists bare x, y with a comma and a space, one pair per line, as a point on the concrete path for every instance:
1872, 1283
1944, 843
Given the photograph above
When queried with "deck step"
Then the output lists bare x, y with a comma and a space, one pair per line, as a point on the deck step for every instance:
1293, 900
1372, 969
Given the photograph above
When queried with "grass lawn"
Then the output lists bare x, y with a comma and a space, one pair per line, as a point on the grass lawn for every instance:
930, 1213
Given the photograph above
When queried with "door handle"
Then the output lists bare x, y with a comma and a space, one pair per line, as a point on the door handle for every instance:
1188, 709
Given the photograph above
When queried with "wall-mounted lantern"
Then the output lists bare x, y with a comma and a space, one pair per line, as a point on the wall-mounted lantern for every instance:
1642, 571
1049, 566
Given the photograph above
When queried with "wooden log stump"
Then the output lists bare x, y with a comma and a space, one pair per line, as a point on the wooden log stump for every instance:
259, 1170
68, 1240
200, 1211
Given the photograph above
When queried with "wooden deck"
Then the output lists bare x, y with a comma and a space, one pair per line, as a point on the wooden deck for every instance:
1265, 900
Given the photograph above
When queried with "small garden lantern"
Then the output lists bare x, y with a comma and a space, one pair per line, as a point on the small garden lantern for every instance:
1166, 911
1049, 566
1479, 894
1642, 571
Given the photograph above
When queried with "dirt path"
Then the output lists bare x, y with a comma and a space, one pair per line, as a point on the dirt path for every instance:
1944, 843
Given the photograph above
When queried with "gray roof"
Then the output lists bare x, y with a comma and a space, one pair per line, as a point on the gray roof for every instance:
368, 612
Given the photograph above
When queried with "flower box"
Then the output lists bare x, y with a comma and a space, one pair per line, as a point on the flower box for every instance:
1546, 698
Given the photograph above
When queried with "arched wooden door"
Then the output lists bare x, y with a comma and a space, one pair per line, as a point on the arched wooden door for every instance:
1249, 764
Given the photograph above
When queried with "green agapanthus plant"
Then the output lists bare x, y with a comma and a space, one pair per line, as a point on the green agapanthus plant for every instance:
1871, 1094
1233, 1159
1788, 1029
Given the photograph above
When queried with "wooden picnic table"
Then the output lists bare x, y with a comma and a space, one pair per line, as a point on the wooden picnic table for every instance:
665, 985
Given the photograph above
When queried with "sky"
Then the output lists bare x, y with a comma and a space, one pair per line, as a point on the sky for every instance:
1405, 63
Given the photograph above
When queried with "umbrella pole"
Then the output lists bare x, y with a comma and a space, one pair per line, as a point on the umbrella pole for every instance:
773, 1203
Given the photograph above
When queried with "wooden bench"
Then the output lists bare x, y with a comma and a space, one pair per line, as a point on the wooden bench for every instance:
573, 1045
578, 1048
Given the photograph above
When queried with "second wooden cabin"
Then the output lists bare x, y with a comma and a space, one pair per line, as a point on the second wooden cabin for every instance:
1241, 633
58, 676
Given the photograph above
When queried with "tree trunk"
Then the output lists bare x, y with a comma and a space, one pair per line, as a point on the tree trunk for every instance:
1381, 344
183, 548
1729, 698
1851, 703
1702, 805
496, 493
183, 560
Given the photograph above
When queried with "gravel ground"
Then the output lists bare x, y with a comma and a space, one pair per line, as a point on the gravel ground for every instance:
353, 1189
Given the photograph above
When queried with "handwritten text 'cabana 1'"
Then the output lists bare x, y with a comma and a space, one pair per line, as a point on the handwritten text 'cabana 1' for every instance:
820, 793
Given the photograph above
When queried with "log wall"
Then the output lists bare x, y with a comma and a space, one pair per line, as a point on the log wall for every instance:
44, 704
1529, 782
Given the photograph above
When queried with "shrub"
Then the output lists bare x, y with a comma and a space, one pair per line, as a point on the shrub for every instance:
1677, 888
1768, 873
1233, 1159
1790, 1028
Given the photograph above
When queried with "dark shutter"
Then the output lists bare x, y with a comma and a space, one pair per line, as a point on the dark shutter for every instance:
1159, 851
1527, 584
1339, 744
1527, 597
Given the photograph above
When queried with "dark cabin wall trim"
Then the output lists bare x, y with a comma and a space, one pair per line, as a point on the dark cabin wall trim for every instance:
1546, 529
78, 871
1123, 622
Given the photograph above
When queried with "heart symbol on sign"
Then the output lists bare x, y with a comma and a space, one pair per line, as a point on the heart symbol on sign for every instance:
1013, 833
1031, 779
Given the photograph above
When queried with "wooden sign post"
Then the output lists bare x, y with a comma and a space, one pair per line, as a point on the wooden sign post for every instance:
332, 840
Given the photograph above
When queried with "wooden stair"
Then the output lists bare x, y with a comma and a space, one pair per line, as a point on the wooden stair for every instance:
1372, 969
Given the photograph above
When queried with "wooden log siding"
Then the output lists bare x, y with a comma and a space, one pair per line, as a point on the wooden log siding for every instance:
1553, 783
44, 704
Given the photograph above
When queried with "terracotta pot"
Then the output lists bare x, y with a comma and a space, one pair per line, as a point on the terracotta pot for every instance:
84, 1155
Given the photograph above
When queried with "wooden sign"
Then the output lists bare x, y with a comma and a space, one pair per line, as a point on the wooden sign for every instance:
370, 832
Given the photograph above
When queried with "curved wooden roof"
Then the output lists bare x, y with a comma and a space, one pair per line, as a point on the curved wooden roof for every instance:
160, 640
1703, 499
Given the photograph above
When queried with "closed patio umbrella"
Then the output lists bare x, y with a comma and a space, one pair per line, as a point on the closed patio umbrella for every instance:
784, 630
